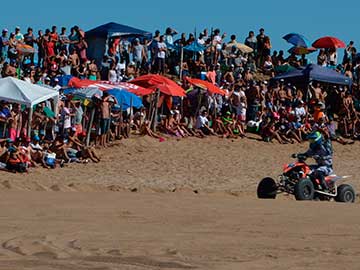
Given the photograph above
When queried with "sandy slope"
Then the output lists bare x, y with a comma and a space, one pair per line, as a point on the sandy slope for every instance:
195, 208
205, 165
174, 231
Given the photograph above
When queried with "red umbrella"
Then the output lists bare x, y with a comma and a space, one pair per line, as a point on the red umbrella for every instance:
165, 85
329, 42
213, 89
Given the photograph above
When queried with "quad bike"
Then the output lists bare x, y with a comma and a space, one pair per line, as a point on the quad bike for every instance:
297, 179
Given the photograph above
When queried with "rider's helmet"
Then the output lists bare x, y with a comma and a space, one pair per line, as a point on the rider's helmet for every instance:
315, 139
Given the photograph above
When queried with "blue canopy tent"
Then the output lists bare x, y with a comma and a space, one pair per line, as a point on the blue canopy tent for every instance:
125, 98
98, 38
314, 72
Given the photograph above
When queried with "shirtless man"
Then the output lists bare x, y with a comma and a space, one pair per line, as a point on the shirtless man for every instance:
348, 104
105, 118
86, 152
248, 75
282, 96
317, 92
10, 70
15, 123
93, 70
75, 61
229, 75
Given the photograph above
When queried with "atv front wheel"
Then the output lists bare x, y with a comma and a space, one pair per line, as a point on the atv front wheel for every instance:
304, 190
345, 194
267, 189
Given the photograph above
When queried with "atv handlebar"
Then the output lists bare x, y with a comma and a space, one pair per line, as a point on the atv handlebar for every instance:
300, 157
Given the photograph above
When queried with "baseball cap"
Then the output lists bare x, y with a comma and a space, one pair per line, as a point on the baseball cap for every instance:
5, 30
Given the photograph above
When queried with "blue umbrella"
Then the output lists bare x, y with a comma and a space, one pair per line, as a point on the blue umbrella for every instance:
125, 98
297, 40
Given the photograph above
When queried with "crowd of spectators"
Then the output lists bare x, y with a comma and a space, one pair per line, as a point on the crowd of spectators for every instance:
275, 110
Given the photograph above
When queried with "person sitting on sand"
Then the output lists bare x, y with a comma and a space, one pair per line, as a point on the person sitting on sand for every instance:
4, 154
202, 123
59, 148
218, 126
229, 124
171, 126
83, 151
268, 131
139, 117
146, 130
182, 128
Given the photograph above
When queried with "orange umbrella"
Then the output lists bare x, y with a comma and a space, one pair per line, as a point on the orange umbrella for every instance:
213, 89
165, 85
25, 49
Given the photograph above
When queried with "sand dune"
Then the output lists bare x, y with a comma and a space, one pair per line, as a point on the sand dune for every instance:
186, 204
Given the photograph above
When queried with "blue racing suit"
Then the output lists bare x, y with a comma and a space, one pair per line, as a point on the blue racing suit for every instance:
322, 154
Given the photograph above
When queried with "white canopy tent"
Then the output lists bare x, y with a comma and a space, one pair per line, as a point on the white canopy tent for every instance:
24, 93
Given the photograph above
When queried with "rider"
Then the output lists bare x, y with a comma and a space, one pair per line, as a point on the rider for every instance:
321, 151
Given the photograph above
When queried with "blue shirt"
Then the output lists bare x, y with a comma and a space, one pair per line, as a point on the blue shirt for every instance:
3, 47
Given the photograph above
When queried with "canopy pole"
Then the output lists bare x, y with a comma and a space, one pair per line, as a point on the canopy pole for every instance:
156, 109
131, 108
29, 121
182, 106
181, 62
152, 109
89, 126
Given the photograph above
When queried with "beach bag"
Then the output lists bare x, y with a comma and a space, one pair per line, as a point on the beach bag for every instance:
50, 160
16, 166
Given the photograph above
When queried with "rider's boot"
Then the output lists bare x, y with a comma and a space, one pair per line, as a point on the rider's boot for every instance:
323, 183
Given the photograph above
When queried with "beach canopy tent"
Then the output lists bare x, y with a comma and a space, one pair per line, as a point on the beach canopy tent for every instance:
24, 93
98, 38
314, 72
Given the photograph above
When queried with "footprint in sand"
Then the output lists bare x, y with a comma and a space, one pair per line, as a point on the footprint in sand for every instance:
35, 246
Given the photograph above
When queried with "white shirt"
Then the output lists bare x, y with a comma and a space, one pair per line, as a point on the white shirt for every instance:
161, 54
300, 112
65, 114
201, 121
218, 41
201, 41
112, 76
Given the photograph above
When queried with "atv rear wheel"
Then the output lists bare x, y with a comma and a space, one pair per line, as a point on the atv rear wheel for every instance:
267, 189
345, 194
304, 190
